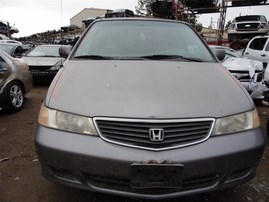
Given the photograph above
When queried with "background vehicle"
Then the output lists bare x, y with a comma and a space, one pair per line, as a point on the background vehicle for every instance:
15, 82
249, 72
133, 114
44, 61
258, 49
247, 3
120, 13
247, 27
10, 41
14, 49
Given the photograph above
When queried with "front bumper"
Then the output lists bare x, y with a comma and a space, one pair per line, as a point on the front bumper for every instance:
90, 163
256, 32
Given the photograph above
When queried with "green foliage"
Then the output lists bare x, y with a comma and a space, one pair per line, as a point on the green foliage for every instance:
143, 7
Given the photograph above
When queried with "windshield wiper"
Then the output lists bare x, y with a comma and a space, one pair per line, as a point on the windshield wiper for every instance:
49, 56
94, 57
163, 57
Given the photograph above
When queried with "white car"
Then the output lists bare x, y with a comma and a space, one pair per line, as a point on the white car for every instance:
258, 49
249, 72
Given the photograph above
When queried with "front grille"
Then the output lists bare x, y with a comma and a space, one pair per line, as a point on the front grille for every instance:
136, 133
248, 26
244, 76
39, 68
124, 184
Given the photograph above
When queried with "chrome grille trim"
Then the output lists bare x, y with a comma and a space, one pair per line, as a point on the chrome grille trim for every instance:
253, 26
135, 140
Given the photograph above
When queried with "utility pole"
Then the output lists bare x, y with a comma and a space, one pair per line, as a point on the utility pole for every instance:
221, 24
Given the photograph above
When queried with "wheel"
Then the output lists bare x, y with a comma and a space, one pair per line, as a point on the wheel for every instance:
12, 98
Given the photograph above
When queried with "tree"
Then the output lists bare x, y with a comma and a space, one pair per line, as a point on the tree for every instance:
143, 7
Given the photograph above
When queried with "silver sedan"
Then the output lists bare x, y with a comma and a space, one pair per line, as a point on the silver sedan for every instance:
15, 82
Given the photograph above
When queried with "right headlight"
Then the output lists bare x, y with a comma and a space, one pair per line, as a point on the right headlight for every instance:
237, 123
232, 27
59, 120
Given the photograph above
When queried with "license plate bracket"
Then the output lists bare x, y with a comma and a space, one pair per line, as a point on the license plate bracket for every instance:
156, 175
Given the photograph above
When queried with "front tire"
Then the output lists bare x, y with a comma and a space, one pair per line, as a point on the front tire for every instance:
12, 98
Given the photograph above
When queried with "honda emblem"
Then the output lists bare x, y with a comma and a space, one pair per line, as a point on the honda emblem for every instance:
156, 134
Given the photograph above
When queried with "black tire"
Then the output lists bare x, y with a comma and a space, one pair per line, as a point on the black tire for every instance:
12, 98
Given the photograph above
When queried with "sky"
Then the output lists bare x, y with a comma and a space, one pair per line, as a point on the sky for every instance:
35, 16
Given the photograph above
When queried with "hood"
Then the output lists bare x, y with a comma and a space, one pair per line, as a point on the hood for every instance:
147, 89
243, 64
42, 61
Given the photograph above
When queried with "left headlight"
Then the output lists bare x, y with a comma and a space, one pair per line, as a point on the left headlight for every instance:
57, 66
236, 123
66, 121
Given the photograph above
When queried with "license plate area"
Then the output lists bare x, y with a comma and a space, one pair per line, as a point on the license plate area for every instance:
156, 175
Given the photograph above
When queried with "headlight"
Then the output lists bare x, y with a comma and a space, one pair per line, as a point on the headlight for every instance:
232, 26
236, 123
66, 121
57, 66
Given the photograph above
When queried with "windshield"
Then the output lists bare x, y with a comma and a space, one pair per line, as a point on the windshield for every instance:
7, 48
249, 18
134, 39
44, 51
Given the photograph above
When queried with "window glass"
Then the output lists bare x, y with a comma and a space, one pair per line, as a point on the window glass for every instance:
267, 47
44, 51
142, 38
258, 44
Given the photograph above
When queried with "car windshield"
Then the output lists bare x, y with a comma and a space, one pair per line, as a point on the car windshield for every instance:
228, 52
7, 48
142, 39
232, 53
44, 51
248, 18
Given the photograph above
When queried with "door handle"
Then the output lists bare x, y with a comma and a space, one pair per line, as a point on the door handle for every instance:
263, 55
247, 53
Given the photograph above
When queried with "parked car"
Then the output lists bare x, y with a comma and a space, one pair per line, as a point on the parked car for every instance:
14, 49
10, 41
247, 3
247, 27
258, 49
15, 82
44, 61
133, 114
250, 73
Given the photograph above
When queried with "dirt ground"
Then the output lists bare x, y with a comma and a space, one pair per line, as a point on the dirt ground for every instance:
21, 180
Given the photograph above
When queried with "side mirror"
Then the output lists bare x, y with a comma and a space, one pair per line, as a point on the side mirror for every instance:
220, 54
64, 51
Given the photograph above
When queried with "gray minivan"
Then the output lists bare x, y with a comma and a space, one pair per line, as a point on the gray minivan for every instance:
143, 108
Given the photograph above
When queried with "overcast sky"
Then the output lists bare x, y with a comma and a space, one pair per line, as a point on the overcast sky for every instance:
35, 16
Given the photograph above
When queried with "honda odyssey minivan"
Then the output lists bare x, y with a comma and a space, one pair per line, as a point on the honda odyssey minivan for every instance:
143, 108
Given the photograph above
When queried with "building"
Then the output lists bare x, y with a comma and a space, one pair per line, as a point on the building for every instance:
87, 13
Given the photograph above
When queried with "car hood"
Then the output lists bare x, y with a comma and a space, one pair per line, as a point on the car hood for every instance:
41, 61
147, 89
243, 64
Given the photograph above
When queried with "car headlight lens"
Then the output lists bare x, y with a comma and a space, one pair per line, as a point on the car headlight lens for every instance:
66, 121
236, 123
57, 66
232, 26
